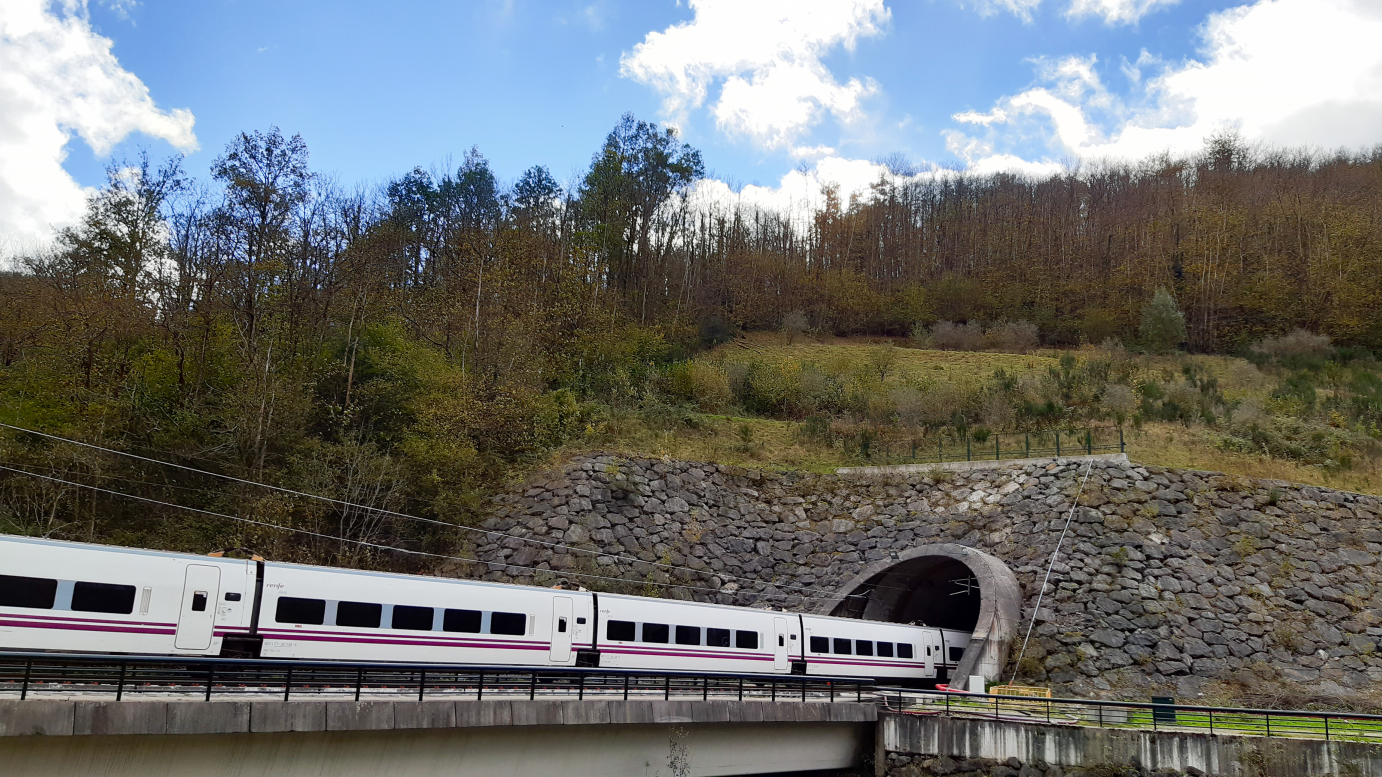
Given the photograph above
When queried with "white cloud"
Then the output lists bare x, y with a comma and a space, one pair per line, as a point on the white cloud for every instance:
1112, 11
1022, 9
1280, 71
765, 57
1116, 11
59, 78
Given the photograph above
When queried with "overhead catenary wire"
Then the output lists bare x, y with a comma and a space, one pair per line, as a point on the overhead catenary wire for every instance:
420, 519
320, 535
1042, 591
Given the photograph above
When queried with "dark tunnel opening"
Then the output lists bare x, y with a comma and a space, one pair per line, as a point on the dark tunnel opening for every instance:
933, 590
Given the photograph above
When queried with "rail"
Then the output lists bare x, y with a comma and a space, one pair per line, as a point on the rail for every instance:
89, 676
1154, 716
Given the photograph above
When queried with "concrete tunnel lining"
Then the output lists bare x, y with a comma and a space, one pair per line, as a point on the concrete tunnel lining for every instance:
890, 583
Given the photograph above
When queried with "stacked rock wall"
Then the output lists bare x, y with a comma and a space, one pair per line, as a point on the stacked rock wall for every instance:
1168, 581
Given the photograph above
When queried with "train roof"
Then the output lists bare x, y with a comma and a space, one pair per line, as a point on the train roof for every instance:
17, 538
403, 576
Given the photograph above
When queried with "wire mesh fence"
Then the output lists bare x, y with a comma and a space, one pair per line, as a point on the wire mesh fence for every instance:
1166, 716
866, 446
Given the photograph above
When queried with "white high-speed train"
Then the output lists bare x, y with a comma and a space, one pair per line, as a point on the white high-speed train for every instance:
76, 597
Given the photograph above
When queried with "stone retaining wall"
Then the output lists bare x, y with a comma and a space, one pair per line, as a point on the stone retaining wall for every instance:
1170, 581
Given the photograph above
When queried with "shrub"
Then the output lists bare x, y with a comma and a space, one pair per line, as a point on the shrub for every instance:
710, 386
1119, 402
1163, 325
1300, 342
794, 324
1013, 337
957, 337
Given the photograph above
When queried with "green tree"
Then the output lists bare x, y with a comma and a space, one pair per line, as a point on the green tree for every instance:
1163, 325
636, 170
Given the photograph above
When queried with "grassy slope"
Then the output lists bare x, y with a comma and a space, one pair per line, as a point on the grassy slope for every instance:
775, 444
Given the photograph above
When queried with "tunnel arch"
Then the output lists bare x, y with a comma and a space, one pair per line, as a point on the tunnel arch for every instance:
909, 587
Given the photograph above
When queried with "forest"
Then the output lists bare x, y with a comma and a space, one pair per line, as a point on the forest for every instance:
409, 349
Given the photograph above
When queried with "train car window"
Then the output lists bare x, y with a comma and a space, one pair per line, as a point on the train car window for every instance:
514, 624
359, 615
411, 618
747, 640
820, 644
904, 650
885, 650
956, 653
294, 610
103, 597
844, 646
717, 637
688, 635
463, 621
199, 601
620, 630
655, 632
36, 593
863, 647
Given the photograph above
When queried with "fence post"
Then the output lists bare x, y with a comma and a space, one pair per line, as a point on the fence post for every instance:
1027, 441
532, 686
210, 678
741, 689
1058, 443
1089, 442
288, 683
774, 696
480, 686
359, 682
1211, 722
803, 689
966, 446
119, 686
666, 687
940, 450
421, 684
28, 669
1122, 446
831, 685
1269, 724
626, 689
705, 688
997, 450
580, 686
1326, 728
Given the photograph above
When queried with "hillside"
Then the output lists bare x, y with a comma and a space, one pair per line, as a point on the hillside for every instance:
1214, 413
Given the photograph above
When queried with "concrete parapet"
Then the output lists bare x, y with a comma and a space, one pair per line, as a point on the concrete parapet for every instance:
1079, 746
67, 718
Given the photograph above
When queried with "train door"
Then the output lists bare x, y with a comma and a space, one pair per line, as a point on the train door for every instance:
780, 655
561, 629
197, 618
937, 658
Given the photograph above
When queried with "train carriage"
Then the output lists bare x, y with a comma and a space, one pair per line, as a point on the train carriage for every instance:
341, 614
76, 597
57, 595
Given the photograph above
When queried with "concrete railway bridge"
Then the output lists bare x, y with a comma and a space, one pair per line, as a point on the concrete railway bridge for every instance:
157, 718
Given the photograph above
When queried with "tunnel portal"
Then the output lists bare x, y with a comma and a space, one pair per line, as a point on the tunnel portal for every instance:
930, 591
943, 586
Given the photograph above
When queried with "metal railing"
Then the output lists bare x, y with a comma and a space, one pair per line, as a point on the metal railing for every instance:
82, 676
1299, 724
992, 447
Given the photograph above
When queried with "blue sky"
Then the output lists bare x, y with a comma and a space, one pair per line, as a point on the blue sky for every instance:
777, 93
